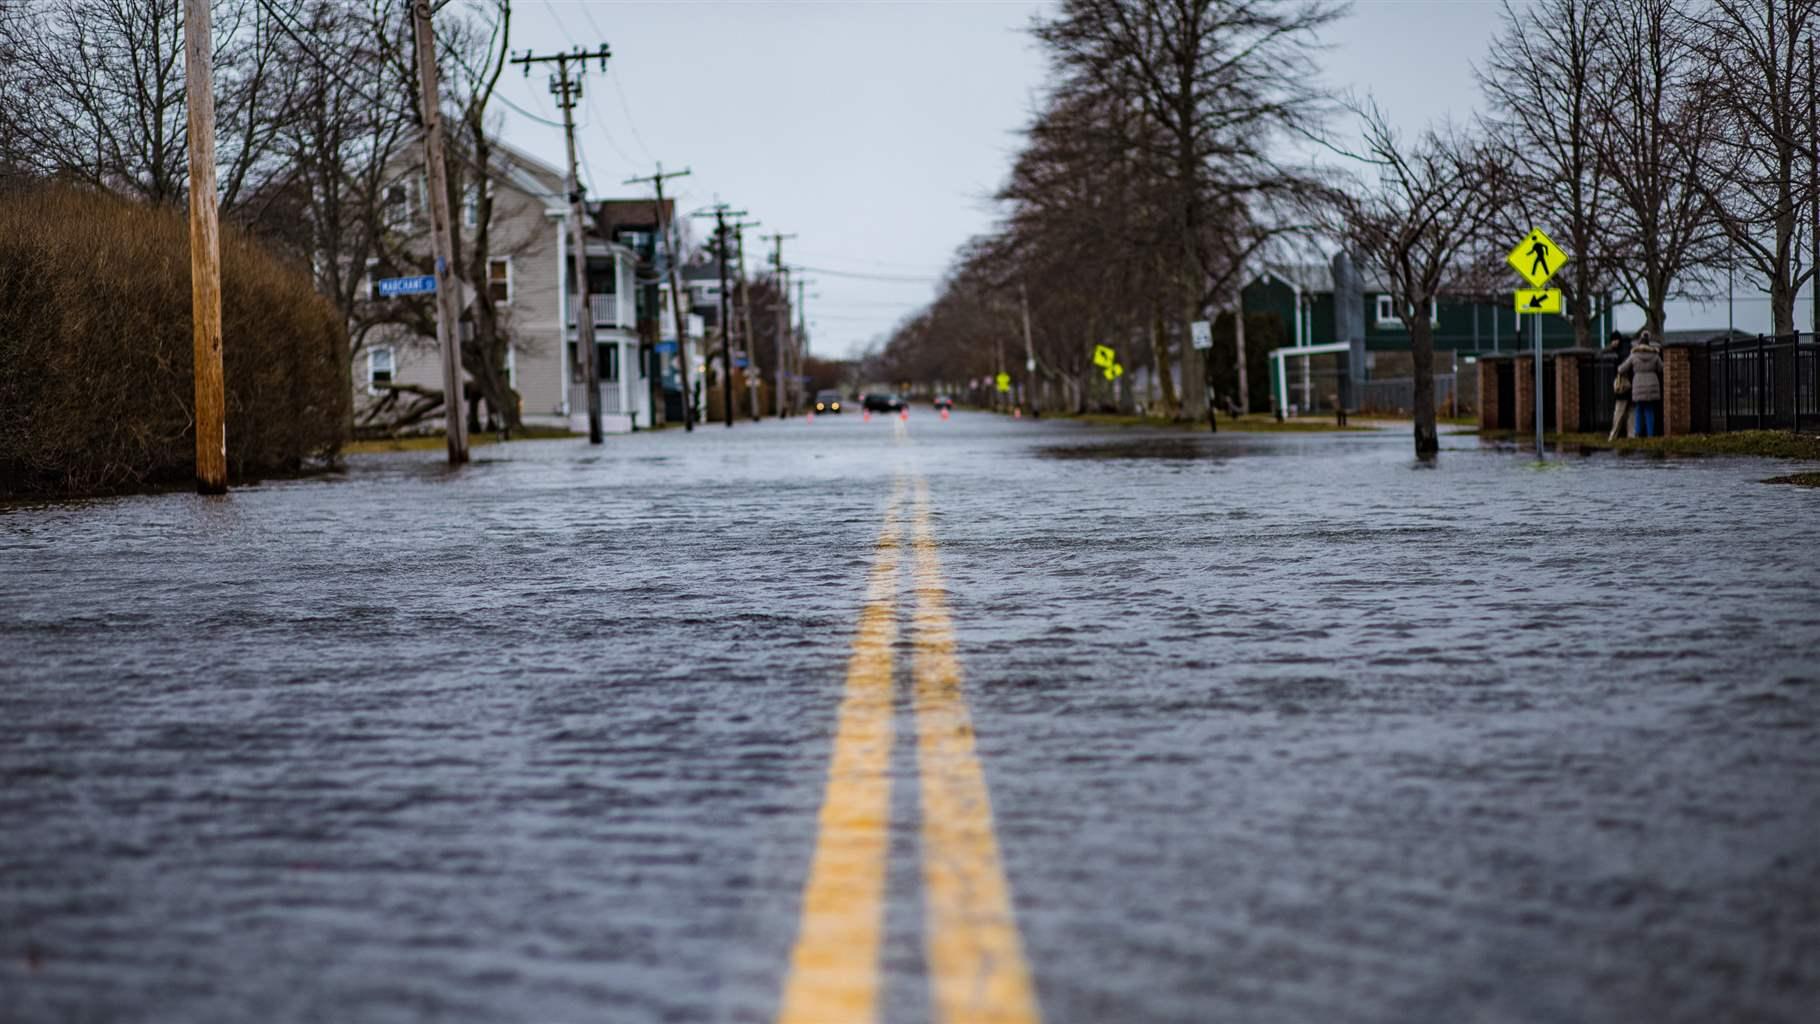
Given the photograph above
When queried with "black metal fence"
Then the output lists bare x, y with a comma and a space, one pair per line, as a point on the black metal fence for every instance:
1598, 375
1761, 383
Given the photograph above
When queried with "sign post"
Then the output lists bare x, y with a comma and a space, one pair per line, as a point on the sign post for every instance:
1536, 259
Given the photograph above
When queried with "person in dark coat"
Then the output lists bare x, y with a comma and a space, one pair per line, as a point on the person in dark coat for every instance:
1644, 365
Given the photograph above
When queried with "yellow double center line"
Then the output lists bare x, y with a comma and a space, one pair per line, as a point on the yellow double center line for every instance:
977, 970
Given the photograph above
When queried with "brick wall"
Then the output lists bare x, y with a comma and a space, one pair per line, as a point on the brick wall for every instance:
1677, 391
1526, 394
1567, 392
1488, 394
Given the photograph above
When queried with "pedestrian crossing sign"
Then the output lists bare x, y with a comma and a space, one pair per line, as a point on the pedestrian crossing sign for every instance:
1538, 300
1114, 371
1004, 382
1537, 258
1103, 356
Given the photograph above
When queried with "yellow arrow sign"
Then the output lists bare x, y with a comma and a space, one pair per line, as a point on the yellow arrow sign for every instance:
1537, 258
1102, 356
1004, 382
1539, 300
1115, 371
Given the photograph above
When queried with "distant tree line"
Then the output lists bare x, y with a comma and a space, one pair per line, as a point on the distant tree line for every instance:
317, 116
1662, 143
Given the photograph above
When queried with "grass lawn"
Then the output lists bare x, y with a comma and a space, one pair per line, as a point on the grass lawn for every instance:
1256, 423
437, 442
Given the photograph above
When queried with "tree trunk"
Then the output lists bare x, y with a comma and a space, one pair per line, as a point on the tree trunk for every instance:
1422, 355
1160, 354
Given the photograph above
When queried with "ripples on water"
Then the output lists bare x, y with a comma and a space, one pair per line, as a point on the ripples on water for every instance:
1277, 729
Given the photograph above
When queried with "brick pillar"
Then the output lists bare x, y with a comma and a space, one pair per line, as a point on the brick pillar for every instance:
1488, 394
1526, 394
1677, 391
1567, 392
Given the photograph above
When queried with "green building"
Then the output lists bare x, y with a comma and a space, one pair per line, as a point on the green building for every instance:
1361, 347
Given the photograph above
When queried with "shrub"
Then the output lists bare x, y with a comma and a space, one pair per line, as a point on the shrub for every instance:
96, 392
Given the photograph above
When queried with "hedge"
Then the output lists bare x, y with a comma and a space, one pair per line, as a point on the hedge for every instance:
96, 393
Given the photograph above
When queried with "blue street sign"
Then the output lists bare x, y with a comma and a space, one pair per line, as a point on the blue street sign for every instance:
739, 362
665, 347
425, 285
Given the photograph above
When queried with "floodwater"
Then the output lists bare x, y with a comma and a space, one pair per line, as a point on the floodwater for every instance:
1276, 728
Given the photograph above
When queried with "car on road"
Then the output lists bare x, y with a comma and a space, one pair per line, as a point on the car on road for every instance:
827, 401
883, 403
944, 402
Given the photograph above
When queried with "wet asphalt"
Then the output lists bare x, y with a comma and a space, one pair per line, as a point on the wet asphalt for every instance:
1276, 728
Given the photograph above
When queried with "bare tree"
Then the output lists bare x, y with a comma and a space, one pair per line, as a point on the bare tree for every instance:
1419, 221
1657, 130
1545, 78
1222, 81
1759, 77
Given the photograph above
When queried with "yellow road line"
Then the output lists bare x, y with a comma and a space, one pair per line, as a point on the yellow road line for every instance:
976, 960
835, 964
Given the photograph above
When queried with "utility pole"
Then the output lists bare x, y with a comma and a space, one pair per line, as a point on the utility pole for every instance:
682, 323
745, 305
567, 89
1023, 298
205, 252
1813, 187
799, 339
783, 319
448, 284
720, 212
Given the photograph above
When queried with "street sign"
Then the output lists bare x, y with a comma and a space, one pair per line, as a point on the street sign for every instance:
1537, 258
1114, 371
1004, 382
391, 286
1103, 357
1539, 300
1201, 334
664, 347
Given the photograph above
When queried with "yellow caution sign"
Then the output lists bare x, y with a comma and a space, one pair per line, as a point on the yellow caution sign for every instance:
1538, 300
1114, 371
1004, 382
1537, 258
1103, 356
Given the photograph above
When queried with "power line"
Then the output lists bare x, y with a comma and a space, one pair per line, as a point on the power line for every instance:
899, 278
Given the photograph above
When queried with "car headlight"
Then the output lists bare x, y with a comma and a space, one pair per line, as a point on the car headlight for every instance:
837, 407
819, 407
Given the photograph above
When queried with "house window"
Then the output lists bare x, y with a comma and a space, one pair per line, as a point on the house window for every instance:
606, 361
400, 204
470, 205
1387, 316
381, 364
499, 279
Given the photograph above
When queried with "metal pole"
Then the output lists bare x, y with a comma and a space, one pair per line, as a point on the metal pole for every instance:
1535, 327
448, 283
205, 253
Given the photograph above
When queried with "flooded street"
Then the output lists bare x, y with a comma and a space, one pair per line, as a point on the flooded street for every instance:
1274, 727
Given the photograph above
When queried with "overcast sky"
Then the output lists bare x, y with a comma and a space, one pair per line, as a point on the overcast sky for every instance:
876, 132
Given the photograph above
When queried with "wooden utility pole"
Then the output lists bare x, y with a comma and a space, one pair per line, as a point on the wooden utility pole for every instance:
1813, 187
783, 319
720, 212
799, 339
682, 323
567, 89
205, 252
753, 374
1023, 298
448, 284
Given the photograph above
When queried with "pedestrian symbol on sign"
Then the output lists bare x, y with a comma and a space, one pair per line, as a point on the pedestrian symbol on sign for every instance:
1537, 258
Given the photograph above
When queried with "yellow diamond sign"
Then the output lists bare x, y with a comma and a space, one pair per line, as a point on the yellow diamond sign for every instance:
1537, 258
1114, 371
1004, 382
1538, 300
1102, 356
